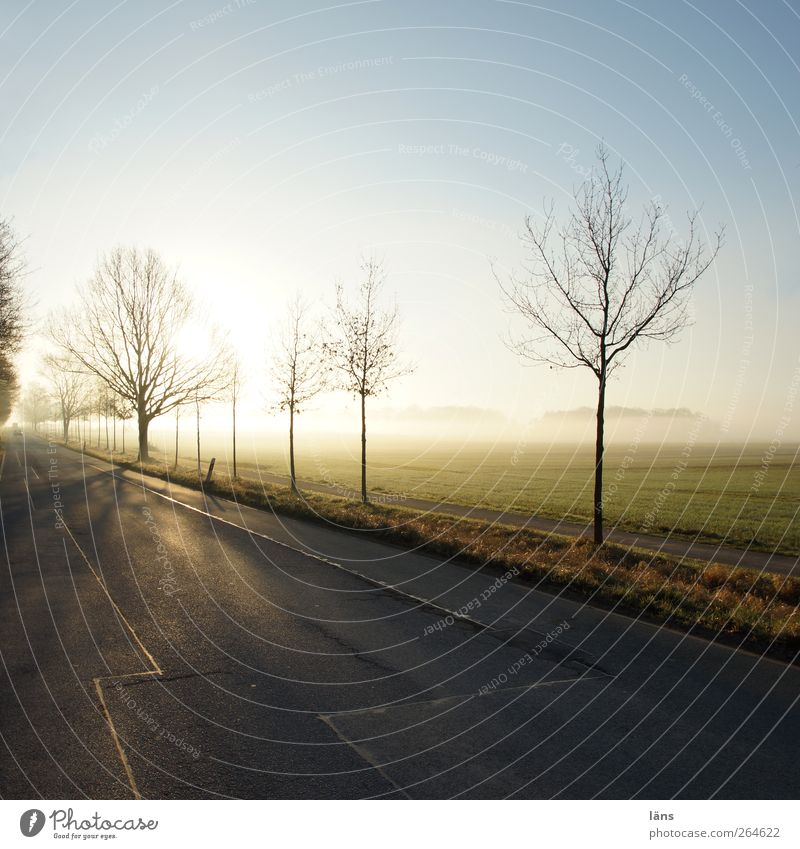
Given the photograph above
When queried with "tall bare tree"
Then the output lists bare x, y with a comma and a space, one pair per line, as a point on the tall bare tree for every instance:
125, 331
69, 387
9, 387
216, 391
12, 318
601, 283
12, 300
197, 433
177, 435
297, 369
235, 378
363, 347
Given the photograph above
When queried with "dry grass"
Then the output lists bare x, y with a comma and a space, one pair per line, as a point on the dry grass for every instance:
740, 605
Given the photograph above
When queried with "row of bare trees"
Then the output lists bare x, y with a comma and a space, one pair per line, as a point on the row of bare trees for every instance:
71, 395
357, 352
124, 332
595, 288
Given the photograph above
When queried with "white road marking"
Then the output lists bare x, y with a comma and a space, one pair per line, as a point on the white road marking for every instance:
156, 668
30, 497
115, 737
375, 582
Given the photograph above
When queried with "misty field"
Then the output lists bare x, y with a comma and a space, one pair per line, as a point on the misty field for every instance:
723, 493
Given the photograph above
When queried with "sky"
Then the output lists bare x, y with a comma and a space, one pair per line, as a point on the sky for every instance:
263, 148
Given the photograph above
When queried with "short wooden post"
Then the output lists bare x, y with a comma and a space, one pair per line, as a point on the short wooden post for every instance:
210, 471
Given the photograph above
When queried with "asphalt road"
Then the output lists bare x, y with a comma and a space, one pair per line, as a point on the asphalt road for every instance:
158, 645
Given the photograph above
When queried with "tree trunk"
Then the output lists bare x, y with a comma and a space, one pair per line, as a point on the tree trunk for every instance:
292, 475
197, 406
108, 445
364, 498
234, 438
123, 437
65, 425
114, 448
177, 419
144, 451
598, 461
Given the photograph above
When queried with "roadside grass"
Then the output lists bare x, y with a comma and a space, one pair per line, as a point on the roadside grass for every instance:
740, 606
718, 493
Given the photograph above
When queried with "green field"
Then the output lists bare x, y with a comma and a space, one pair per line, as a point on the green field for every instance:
723, 492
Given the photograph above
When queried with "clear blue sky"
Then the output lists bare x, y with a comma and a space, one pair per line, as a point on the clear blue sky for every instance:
263, 146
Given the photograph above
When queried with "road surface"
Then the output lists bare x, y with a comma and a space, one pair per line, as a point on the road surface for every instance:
158, 645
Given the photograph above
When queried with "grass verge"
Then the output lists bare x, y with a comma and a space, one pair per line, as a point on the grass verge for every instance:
738, 606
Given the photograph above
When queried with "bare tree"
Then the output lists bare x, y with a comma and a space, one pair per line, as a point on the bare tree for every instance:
12, 301
106, 401
297, 370
9, 387
197, 423
363, 347
118, 409
234, 390
69, 389
599, 284
37, 405
125, 331
12, 319
99, 400
215, 392
177, 434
